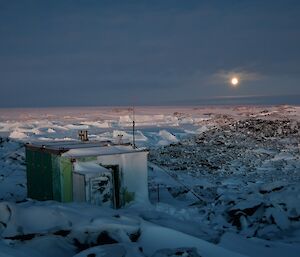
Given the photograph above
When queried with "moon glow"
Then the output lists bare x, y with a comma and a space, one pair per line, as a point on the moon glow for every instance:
234, 81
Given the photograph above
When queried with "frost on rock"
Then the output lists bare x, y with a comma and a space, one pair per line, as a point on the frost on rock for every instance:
253, 173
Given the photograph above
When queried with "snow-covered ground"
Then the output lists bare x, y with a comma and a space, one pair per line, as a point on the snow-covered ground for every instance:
223, 181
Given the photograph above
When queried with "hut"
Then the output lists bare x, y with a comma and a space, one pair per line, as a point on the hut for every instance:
100, 173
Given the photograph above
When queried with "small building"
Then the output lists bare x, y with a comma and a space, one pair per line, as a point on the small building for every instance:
101, 173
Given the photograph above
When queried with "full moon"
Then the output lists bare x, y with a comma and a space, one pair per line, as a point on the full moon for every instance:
234, 81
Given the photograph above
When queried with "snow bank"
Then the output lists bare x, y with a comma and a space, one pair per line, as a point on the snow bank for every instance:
77, 127
139, 136
50, 130
18, 135
254, 247
80, 226
142, 118
166, 138
154, 238
202, 129
149, 120
27, 220
97, 124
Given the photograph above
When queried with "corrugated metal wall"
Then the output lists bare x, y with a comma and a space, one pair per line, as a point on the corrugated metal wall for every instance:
49, 176
66, 179
57, 188
39, 175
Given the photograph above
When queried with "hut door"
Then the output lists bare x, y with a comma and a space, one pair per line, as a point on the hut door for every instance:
116, 187
116, 184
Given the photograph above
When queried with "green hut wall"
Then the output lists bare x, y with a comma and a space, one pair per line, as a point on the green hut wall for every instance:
66, 179
49, 176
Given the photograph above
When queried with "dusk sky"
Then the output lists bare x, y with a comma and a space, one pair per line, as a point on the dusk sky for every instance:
72, 53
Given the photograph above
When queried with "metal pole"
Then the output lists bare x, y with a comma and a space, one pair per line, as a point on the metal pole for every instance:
133, 128
158, 193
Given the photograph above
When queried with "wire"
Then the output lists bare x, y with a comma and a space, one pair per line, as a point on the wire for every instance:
179, 182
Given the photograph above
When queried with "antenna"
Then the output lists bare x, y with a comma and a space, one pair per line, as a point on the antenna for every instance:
133, 128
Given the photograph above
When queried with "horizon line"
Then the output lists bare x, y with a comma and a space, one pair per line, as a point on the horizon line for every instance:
210, 101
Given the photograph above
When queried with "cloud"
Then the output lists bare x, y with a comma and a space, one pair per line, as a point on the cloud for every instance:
243, 75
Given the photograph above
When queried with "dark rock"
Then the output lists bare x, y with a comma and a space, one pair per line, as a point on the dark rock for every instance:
62, 233
22, 237
135, 236
184, 251
105, 238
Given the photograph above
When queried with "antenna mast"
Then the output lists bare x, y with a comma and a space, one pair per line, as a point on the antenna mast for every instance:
133, 128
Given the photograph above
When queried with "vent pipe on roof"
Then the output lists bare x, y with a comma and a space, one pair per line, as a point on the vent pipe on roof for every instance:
120, 139
83, 135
